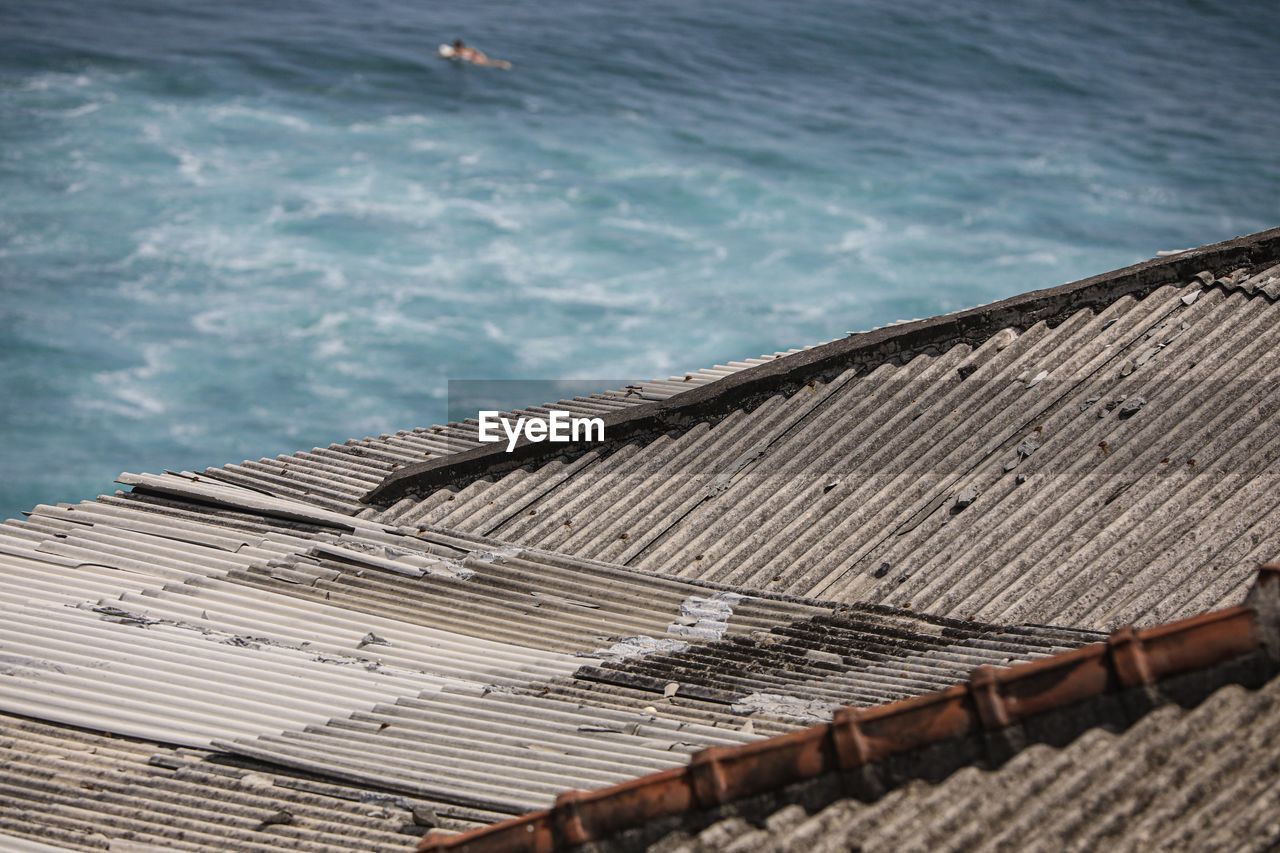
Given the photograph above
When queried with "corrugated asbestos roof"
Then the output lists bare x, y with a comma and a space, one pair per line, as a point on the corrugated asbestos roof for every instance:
257, 638
475, 677
852, 656
974, 766
1122, 465
1201, 779
84, 790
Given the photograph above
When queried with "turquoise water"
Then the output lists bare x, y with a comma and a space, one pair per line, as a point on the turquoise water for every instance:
238, 229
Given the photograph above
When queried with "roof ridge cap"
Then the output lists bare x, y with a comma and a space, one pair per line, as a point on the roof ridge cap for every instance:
712, 401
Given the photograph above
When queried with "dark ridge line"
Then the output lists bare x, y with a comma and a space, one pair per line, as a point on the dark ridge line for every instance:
748, 388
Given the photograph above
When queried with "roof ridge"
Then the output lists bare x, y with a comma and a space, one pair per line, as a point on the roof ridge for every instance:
898, 342
336, 475
990, 702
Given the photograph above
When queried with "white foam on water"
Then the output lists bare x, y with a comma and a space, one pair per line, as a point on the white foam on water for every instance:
591, 293
78, 112
1020, 259
237, 110
133, 392
51, 80
391, 122
870, 234
330, 349
217, 322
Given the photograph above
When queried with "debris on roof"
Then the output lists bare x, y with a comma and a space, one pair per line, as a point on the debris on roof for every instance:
456, 670
848, 656
860, 769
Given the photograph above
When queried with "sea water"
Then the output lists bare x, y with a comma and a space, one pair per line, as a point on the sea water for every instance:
238, 229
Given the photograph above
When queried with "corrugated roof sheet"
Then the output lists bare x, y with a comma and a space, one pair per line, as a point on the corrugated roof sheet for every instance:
856, 774
463, 671
1119, 466
82, 790
852, 656
1201, 779
515, 749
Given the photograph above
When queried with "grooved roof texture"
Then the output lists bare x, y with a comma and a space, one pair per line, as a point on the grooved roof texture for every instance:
468, 676
320, 650
852, 656
1120, 466
1200, 779
87, 791
907, 774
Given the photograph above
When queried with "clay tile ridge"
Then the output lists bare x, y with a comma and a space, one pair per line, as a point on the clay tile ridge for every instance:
991, 700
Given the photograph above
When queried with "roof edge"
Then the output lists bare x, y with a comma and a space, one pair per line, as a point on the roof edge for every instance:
784, 375
991, 701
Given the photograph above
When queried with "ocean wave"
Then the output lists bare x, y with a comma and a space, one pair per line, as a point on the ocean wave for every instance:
52, 80
80, 111
1023, 258
391, 122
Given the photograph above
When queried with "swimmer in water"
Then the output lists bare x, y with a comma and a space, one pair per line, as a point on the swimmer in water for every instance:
463, 52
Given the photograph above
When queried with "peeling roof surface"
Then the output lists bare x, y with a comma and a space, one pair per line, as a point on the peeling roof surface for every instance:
1069, 751
185, 661
473, 677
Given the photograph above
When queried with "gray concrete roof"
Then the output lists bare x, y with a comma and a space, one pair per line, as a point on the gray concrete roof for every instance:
1251, 261
75, 789
338, 476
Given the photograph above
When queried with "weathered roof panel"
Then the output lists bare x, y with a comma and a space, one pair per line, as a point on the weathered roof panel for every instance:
1096, 453
1178, 780
1120, 466
867, 756
337, 477
1237, 260
456, 669
852, 656
77, 789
